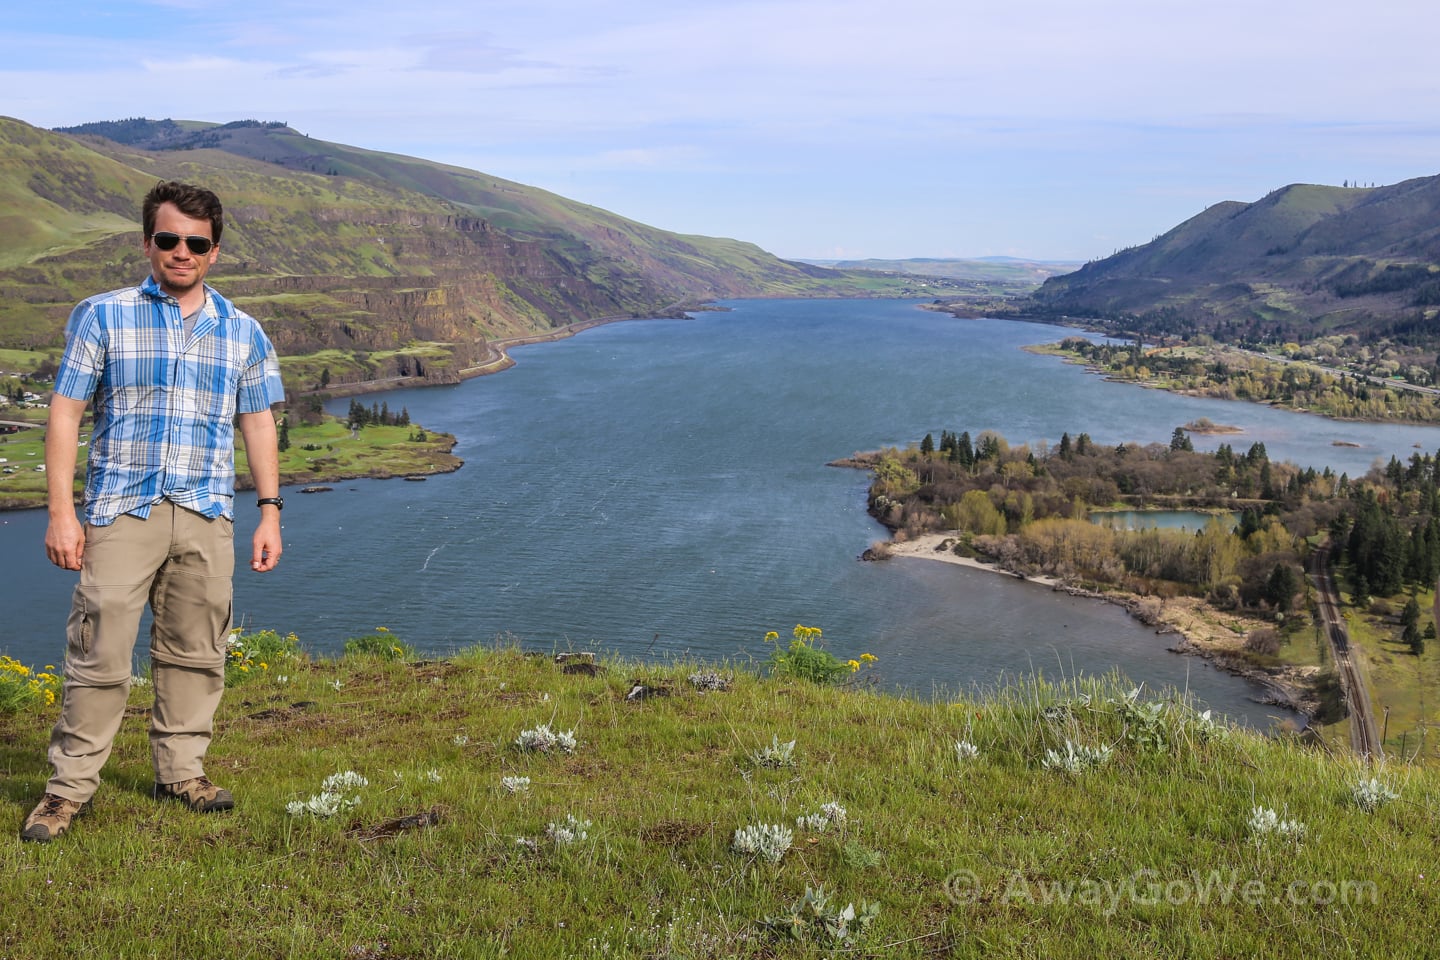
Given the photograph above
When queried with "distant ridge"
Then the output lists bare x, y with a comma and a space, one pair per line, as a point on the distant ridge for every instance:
1017, 273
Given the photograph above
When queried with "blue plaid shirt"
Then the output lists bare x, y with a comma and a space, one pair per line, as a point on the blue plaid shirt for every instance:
165, 403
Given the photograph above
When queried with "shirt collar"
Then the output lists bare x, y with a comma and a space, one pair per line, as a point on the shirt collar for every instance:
151, 288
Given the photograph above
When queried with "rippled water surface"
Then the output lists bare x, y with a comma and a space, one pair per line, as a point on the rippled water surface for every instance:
659, 488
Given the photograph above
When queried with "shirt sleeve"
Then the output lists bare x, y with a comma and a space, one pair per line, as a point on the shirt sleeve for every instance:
83, 361
260, 384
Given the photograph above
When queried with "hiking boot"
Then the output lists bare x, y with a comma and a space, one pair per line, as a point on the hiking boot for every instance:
198, 794
51, 817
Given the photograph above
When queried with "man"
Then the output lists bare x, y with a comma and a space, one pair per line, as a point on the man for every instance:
171, 367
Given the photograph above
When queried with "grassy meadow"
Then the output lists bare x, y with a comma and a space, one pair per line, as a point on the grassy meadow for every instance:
318, 452
1076, 818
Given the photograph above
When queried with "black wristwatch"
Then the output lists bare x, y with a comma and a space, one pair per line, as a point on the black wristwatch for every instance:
278, 501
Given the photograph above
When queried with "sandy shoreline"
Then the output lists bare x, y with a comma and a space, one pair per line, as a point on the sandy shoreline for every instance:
1200, 630
930, 547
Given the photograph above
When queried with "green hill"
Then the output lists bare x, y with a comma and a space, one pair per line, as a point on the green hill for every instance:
1303, 261
341, 248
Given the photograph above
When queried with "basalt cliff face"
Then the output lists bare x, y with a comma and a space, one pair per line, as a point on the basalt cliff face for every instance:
403, 266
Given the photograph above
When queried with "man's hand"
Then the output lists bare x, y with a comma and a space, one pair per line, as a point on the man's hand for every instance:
65, 541
267, 549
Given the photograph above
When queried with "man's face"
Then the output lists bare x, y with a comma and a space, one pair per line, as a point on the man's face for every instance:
179, 271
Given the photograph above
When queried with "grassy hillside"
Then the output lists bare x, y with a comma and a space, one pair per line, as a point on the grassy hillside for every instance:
1304, 261
1078, 819
337, 247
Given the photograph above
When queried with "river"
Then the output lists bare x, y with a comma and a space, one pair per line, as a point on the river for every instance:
659, 489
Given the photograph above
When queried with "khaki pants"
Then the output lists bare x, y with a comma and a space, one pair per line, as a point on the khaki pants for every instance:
182, 564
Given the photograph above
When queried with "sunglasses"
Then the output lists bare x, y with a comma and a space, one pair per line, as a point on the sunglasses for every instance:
169, 241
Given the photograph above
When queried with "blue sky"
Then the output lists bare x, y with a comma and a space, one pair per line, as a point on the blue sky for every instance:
815, 128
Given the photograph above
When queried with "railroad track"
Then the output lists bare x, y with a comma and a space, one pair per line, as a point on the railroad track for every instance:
1363, 736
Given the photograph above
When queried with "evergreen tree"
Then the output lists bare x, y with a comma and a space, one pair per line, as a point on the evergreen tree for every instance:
284, 440
964, 451
1282, 586
927, 446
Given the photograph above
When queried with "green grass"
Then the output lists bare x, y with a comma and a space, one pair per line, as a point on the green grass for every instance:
377, 452
996, 856
1401, 684
22, 451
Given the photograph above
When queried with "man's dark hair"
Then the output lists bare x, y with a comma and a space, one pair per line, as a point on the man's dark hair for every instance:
189, 199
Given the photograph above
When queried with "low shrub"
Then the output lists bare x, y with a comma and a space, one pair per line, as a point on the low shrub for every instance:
22, 687
264, 653
806, 659
382, 645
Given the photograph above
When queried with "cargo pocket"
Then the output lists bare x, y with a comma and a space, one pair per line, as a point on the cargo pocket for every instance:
80, 627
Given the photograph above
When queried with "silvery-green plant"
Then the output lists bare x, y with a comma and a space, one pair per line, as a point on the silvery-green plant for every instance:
965, 750
768, 841
1370, 795
343, 782
515, 784
570, 830
830, 814
1209, 729
776, 755
1145, 724
460, 739
1075, 758
1264, 822
339, 791
814, 918
708, 682
542, 739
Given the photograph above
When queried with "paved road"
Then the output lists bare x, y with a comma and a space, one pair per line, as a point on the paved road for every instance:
1363, 735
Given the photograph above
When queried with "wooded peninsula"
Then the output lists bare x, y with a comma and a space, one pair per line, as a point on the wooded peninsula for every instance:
1033, 511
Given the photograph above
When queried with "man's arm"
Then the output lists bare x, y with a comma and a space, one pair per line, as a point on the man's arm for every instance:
263, 452
64, 537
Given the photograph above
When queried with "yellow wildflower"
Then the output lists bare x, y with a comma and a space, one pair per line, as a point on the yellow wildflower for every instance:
853, 665
868, 658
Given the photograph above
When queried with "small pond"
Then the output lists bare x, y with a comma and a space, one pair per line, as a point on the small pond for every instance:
1190, 520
